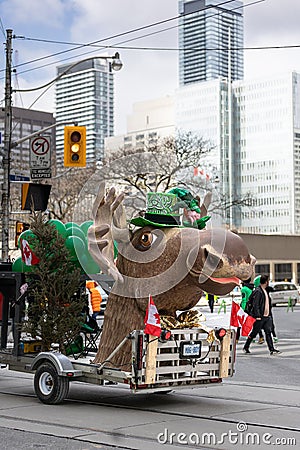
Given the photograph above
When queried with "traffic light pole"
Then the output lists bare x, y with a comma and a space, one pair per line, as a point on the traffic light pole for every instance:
7, 148
6, 174
8, 145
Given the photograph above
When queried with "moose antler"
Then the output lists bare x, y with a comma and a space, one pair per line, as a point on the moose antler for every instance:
108, 215
205, 204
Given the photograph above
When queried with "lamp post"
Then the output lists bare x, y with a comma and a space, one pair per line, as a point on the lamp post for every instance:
116, 64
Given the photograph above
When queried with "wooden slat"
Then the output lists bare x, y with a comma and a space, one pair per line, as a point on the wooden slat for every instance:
225, 354
175, 356
150, 372
186, 368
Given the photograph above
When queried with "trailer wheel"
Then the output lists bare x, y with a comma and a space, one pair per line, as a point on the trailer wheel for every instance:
50, 388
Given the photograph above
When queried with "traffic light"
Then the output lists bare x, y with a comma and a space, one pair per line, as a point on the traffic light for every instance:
34, 197
20, 227
75, 146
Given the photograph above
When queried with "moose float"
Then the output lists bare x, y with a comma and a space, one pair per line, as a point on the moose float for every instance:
162, 256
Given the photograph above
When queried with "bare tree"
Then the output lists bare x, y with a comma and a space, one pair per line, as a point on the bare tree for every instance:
157, 166
168, 158
65, 192
165, 164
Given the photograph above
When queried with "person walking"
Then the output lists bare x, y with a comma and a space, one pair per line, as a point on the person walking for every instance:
246, 291
273, 331
211, 302
261, 311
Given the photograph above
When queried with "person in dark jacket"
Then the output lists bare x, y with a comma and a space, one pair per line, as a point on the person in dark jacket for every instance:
211, 302
246, 291
262, 313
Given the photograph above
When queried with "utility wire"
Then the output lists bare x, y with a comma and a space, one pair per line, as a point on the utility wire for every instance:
2, 28
142, 36
119, 44
48, 85
121, 34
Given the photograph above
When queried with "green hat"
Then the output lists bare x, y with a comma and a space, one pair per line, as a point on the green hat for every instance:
160, 211
257, 281
188, 200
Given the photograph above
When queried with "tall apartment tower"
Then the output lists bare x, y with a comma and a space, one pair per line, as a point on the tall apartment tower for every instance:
207, 29
86, 95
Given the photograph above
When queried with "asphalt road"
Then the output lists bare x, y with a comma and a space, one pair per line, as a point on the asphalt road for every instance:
262, 398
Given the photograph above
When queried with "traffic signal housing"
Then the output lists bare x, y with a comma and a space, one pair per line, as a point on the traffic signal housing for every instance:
20, 227
75, 146
34, 197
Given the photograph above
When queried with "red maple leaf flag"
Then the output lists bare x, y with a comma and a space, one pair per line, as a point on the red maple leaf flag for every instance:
28, 256
239, 318
152, 319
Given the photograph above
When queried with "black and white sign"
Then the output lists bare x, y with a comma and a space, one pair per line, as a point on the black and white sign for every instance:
37, 174
40, 157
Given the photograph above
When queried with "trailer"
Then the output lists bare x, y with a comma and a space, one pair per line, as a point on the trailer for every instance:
179, 358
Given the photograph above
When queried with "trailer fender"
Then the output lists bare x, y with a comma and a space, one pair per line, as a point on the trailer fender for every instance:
62, 364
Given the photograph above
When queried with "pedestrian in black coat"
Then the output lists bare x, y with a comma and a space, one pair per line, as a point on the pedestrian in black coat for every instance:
261, 311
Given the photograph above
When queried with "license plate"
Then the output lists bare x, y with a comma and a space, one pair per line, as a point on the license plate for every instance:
190, 349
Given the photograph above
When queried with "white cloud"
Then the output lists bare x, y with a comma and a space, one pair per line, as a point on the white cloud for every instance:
272, 23
33, 12
146, 74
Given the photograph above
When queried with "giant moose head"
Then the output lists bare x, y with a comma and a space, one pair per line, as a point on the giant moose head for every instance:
159, 256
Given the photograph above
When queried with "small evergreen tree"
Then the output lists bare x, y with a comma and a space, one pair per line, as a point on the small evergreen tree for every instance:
56, 296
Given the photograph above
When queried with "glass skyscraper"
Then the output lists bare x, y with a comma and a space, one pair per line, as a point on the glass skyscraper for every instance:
266, 146
207, 29
86, 95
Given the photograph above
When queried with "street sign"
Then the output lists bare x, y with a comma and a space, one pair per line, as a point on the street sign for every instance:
40, 157
40, 153
37, 174
13, 177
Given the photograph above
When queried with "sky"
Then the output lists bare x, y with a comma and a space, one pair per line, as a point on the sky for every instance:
149, 71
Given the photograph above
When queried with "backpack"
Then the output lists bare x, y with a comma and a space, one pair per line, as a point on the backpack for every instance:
249, 304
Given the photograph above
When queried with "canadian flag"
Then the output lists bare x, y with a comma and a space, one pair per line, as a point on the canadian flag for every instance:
239, 318
152, 319
28, 256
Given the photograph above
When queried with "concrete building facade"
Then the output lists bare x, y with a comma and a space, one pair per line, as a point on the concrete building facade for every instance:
24, 123
150, 121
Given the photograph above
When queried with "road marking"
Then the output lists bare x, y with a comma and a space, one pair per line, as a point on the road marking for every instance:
288, 347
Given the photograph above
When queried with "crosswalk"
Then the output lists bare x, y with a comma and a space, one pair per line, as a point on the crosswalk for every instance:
290, 348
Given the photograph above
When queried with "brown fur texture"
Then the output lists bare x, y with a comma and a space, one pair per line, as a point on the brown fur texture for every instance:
169, 271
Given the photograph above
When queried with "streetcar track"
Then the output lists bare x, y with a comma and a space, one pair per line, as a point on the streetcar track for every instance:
166, 412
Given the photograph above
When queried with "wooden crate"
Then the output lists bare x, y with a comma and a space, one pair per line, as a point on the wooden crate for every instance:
216, 361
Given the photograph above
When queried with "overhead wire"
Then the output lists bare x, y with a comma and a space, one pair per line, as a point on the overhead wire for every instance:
2, 28
117, 45
121, 34
120, 46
